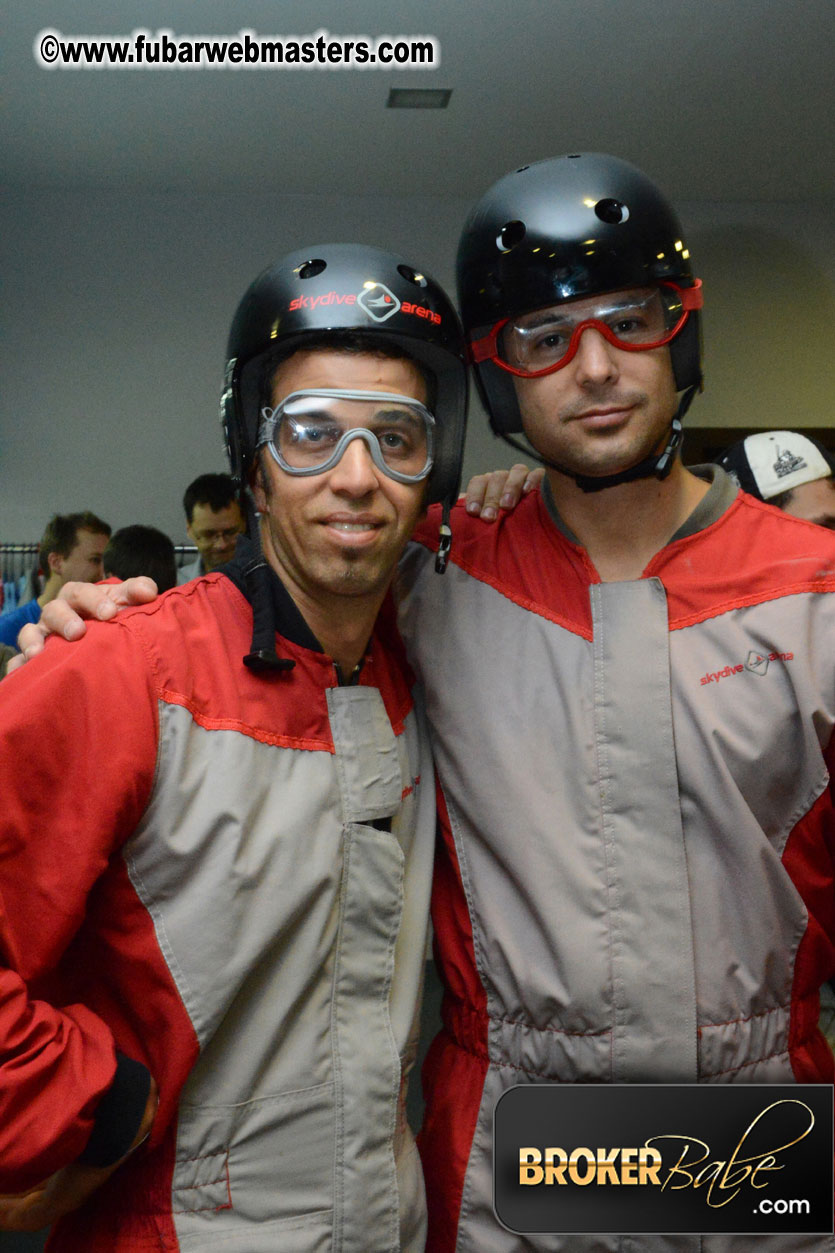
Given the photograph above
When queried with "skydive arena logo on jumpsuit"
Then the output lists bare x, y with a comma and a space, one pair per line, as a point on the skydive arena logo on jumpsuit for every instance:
378, 302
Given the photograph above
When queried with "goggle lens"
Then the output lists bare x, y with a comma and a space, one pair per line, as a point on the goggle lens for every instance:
541, 342
308, 432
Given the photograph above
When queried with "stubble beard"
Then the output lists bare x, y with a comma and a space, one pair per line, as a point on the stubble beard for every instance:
604, 452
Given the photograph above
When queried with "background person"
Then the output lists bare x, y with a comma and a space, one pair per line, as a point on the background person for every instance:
71, 549
787, 469
214, 520
135, 550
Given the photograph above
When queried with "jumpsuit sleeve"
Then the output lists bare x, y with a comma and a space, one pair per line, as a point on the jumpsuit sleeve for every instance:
78, 730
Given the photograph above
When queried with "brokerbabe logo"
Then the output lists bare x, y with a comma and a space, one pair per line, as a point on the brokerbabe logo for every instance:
671, 1158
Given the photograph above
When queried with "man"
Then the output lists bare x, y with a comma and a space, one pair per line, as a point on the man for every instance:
213, 522
630, 687
228, 842
633, 881
789, 470
71, 549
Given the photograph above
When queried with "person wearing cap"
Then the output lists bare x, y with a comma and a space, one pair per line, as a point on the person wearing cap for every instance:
789, 470
227, 839
631, 689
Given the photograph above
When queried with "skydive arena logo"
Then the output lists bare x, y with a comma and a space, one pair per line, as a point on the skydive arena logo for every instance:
378, 302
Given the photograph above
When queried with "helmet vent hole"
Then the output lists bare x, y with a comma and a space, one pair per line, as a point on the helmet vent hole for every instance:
511, 234
412, 276
611, 211
310, 269
522, 169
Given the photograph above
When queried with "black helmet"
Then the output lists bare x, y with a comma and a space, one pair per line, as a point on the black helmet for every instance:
560, 230
338, 287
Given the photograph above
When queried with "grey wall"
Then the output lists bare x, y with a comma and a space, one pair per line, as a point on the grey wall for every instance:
116, 308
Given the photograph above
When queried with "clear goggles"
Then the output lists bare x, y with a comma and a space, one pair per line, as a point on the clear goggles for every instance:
539, 343
309, 430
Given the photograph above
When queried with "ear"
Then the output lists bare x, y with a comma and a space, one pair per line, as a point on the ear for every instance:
56, 563
190, 533
259, 491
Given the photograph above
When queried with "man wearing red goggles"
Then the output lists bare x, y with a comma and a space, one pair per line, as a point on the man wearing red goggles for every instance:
630, 684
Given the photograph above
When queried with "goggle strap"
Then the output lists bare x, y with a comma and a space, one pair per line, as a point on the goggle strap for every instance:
483, 349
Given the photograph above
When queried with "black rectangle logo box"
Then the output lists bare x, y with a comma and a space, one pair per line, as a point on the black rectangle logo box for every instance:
677, 1159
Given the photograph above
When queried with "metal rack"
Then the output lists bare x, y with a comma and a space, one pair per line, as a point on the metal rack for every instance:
19, 571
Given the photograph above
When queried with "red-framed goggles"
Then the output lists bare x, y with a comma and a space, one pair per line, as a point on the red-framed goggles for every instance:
543, 341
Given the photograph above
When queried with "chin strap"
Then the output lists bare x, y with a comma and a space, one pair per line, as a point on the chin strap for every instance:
444, 541
262, 655
657, 465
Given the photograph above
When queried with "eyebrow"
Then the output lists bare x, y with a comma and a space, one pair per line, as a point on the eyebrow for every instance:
401, 415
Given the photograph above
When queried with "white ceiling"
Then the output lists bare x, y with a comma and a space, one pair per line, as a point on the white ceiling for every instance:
717, 99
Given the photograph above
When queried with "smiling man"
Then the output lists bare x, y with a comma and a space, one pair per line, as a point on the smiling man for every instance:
333, 554
228, 840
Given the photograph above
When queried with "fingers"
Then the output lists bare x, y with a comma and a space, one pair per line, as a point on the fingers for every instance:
103, 600
76, 601
137, 591
30, 641
65, 615
23, 1212
62, 1193
501, 489
59, 618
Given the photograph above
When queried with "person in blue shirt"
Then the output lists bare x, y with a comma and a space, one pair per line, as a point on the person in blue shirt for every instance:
71, 548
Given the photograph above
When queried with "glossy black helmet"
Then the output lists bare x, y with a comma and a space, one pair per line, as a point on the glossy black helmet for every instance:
347, 287
560, 230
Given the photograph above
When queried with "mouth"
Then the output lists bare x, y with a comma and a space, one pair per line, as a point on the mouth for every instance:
603, 417
354, 526
355, 530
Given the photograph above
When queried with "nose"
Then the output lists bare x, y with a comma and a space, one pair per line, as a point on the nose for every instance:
595, 359
355, 473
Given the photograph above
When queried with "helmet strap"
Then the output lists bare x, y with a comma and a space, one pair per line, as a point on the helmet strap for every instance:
444, 541
262, 655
